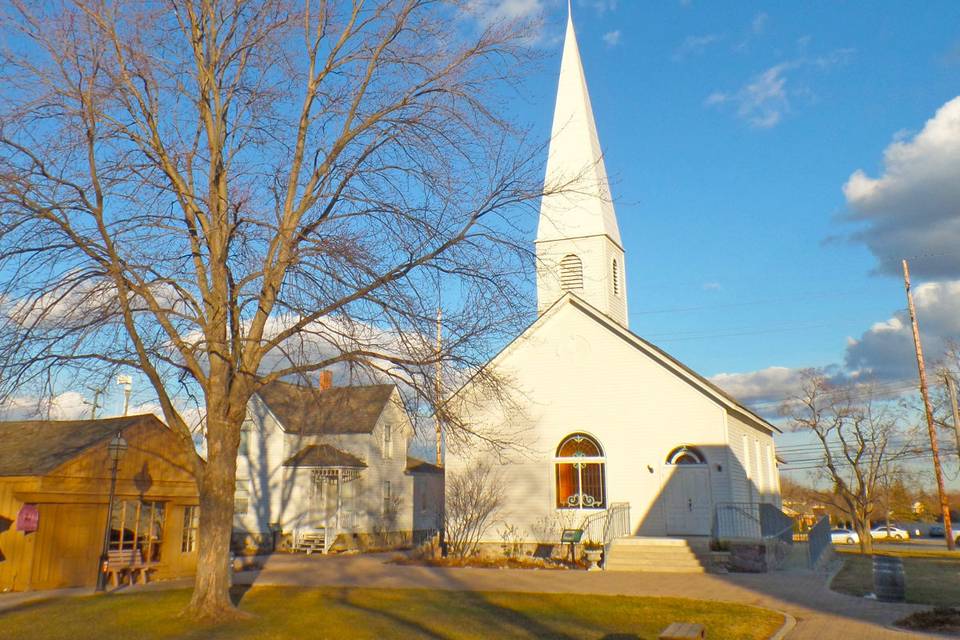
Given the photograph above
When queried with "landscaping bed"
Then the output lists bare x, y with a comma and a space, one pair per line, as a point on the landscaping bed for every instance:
932, 577
288, 612
938, 620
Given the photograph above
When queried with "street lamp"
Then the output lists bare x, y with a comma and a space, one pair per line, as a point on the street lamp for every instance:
116, 448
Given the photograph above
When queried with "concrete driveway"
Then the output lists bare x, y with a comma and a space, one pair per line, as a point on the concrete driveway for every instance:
820, 613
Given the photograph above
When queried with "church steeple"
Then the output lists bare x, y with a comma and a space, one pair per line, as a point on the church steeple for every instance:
578, 240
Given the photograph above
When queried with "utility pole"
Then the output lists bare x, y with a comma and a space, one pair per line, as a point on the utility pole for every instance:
952, 387
437, 388
928, 409
97, 392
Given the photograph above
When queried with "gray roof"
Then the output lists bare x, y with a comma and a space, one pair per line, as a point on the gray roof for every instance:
37, 447
416, 465
323, 455
310, 411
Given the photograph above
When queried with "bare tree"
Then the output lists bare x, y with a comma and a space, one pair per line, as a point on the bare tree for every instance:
862, 441
474, 498
219, 194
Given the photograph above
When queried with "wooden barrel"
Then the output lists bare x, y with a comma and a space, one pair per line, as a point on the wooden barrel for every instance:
889, 582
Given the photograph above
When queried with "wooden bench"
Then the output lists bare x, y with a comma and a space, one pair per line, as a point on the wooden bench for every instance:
126, 561
683, 631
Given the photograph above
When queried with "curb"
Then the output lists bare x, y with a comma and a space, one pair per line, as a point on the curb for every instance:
789, 622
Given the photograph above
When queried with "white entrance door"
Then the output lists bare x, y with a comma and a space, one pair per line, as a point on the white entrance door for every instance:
688, 501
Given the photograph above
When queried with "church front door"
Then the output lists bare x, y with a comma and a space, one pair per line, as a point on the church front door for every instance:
687, 498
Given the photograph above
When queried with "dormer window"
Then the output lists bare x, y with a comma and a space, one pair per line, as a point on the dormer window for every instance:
571, 273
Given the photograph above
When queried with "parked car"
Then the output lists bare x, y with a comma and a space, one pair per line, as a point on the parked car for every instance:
885, 532
937, 531
844, 536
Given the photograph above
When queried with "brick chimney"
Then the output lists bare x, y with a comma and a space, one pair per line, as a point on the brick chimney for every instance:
326, 380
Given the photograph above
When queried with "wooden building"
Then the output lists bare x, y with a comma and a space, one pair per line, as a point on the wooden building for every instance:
54, 489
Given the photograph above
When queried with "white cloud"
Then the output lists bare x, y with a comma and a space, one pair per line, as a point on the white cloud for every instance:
886, 350
766, 98
600, 6
913, 207
612, 38
759, 23
490, 11
69, 405
762, 101
695, 45
883, 353
765, 385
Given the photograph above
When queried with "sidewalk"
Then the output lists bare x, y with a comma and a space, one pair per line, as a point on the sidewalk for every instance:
820, 613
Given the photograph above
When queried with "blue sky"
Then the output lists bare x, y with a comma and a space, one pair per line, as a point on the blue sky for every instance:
730, 130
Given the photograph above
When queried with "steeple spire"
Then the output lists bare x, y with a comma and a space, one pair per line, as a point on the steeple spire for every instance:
575, 161
578, 240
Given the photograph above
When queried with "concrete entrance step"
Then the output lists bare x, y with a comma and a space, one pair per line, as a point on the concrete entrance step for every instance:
673, 555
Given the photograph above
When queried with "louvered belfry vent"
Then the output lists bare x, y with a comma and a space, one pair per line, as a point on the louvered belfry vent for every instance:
571, 273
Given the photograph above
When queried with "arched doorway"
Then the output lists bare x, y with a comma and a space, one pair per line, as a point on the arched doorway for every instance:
686, 492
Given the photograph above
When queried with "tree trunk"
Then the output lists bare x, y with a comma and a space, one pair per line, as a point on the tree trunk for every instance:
866, 540
211, 595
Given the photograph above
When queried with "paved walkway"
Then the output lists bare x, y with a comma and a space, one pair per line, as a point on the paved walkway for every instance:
820, 613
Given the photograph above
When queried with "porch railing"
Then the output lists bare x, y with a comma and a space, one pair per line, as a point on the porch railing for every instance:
751, 521
819, 541
606, 526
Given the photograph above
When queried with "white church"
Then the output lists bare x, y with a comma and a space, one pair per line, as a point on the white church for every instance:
607, 420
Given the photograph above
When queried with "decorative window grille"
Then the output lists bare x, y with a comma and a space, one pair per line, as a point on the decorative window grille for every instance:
616, 279
191, 524
571, 273
137, 524
580, 473
387, 441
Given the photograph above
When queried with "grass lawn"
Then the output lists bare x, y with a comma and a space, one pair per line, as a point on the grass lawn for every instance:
933, 576
289, 612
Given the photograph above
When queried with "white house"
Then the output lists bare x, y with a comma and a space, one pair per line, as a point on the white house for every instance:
325, 466
605, 416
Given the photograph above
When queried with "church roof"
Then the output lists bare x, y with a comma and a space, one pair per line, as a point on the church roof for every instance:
338, 410
665, 359
582, 204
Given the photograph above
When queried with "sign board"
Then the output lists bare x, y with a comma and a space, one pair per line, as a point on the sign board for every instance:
571, 535
28, 518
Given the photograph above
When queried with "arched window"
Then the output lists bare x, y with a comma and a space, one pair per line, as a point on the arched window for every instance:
685, 455
616, 279
571, 273
580, 478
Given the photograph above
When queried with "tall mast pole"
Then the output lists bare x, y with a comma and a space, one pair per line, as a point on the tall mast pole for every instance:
928, 409
437, 388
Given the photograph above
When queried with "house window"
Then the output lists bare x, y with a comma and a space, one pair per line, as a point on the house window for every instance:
685, 455
387, 497
245, 428
137, 524
241, 499
580, 473
616, 279
387, 441
571, 273
191, 524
